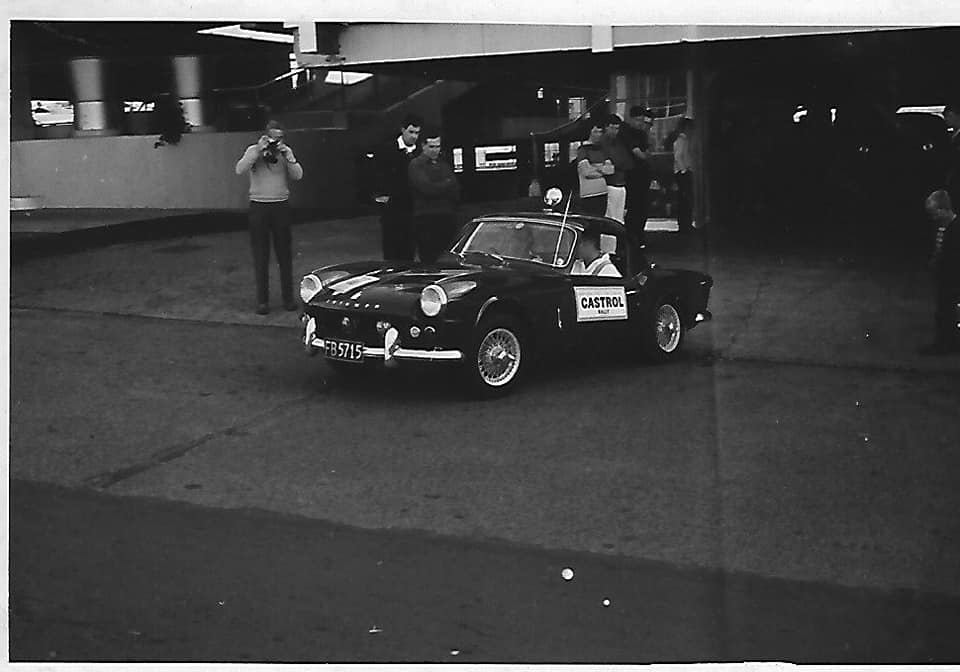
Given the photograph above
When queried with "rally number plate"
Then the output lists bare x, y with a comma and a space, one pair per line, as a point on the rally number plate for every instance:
344, 351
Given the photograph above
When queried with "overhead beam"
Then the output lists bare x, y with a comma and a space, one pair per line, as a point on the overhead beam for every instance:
371, 43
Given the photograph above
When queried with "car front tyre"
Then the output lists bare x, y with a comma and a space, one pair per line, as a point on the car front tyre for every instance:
662, 335
497, 357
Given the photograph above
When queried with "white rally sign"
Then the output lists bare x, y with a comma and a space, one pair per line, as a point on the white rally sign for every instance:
595, 304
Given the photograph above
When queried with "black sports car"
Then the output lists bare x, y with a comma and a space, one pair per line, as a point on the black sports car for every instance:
506, 293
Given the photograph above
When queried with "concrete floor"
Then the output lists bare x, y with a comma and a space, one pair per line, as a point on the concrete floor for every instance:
802, 439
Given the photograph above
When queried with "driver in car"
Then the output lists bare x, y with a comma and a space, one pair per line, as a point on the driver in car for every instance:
590, 260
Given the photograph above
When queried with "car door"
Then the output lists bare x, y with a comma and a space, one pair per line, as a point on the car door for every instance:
600, 310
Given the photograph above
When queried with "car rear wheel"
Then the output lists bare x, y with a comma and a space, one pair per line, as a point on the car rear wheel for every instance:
497, 357
663, 333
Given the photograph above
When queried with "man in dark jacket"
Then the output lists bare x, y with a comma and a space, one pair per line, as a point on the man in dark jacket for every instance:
946, 274
635, 136
435, 193
393, 185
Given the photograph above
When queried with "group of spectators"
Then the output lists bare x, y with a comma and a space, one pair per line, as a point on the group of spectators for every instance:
614, 170
419, 193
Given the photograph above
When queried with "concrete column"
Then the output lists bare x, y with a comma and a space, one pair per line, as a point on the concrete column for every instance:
698, 109
21, 113
189, 88
94, 109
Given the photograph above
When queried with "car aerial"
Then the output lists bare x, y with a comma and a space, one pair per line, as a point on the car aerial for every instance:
501, 298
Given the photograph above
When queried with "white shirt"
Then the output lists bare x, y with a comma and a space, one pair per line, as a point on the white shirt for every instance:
601, 266
403, 146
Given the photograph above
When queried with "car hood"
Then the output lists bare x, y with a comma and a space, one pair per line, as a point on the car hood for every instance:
393, 288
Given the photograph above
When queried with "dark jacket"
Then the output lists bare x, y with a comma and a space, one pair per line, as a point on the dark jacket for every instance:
632, 138
946, 268
433, 186
390, 173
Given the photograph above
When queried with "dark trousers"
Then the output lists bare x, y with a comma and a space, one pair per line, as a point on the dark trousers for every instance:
396, 229
595, 206
434, 233
947, 316
685, 201
638, 206
271, 220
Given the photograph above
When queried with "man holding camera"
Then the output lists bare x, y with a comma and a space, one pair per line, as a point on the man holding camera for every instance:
271, 165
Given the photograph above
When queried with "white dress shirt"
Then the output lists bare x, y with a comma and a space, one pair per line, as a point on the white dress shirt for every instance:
403, 146
601, 266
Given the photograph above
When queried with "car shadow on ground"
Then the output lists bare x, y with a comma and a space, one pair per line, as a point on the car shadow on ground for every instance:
445, 384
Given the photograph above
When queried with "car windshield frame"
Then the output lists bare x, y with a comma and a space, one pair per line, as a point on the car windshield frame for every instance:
461, 247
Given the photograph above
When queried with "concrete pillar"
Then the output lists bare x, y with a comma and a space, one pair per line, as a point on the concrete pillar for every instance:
21, 113
699, 109
94, 108
189, 87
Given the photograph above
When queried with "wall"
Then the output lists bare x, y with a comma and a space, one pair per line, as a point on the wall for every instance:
128, 172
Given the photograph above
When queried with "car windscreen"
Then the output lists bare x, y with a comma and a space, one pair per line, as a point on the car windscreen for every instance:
521, 239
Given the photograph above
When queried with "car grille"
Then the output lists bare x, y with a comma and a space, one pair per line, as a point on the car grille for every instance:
360, 326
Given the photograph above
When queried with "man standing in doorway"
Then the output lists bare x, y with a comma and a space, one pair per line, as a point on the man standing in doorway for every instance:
635, 136
946, 274
622, 163
435, 193
271, 165
396, 216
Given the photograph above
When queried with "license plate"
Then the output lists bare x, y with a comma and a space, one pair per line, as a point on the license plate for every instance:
344, 351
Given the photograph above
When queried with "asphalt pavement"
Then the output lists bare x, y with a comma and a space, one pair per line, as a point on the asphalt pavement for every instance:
785, 492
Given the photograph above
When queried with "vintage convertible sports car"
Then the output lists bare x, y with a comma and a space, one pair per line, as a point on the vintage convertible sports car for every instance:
503, 296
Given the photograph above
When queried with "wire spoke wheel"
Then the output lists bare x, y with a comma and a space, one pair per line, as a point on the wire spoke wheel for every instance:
498, 357
668, 328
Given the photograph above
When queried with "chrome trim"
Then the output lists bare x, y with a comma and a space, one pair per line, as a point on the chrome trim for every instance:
404, 353
483, 308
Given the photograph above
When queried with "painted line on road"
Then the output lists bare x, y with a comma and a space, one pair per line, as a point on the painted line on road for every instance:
108, 479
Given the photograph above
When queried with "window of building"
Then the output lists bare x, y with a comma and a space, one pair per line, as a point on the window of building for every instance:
576, 106
51, 112
551, 154
458, 159
496, 157
574, 146
344, 78
664, 93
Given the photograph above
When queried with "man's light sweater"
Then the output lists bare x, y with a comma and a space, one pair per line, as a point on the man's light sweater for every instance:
268, 181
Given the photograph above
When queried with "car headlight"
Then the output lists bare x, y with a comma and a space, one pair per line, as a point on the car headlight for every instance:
432, 300
310, 286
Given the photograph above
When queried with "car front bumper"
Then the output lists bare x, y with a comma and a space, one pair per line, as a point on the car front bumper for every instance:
389, 352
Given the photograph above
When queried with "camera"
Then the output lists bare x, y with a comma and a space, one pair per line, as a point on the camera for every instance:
270, 153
